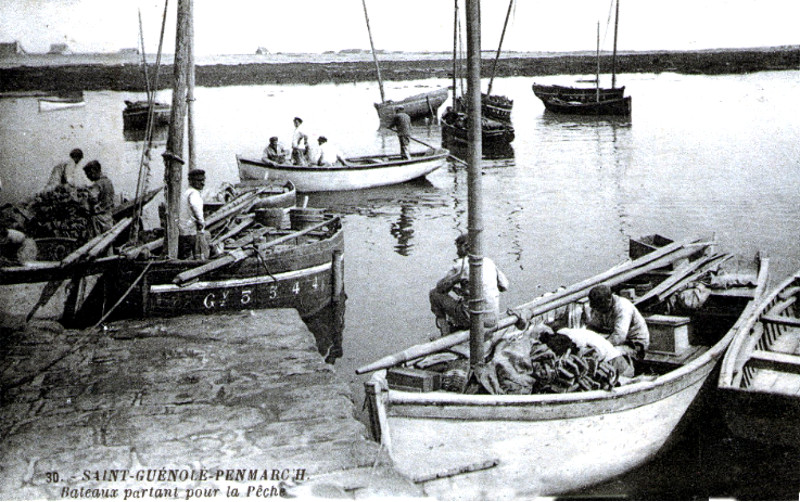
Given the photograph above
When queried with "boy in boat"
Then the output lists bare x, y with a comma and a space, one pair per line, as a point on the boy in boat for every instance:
453, 312
101, 197
192, 241
16, 248
275, 152
299, 144
329, 155
617, 319
401, 123
67, 172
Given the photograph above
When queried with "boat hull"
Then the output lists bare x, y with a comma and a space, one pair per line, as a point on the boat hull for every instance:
134, 117
54, 104
492, 137
541, 446
616, 107
579, 94
760, 374
387, 170
302, 276
419, 106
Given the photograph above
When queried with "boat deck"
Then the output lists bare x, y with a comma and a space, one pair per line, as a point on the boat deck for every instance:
777, 370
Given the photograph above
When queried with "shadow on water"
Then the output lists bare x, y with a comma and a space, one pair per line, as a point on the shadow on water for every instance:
159, 134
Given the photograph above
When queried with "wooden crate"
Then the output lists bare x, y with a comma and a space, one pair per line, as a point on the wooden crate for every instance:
413, 380
668, 334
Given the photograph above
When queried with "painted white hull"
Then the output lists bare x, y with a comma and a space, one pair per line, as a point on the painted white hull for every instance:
543, 444
49, 106
337, 178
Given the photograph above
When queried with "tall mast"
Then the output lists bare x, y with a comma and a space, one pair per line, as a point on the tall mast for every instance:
499, 47
144, 59
190, 90
597, 74
374, 56
477, 303
614, 54
455, 53
173, 169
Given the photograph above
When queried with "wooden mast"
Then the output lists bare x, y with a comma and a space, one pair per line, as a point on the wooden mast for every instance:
190, 90
597, 73
477, 303
614, 54
374, 56
144, 60
499, 47
455, 54
173, 162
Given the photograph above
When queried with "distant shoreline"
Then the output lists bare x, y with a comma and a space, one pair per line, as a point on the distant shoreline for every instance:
37, 75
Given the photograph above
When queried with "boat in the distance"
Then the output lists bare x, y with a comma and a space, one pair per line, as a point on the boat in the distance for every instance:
577, 94
495, 134
62, 101
134, 116
362, 172
616, 106
484, 443
759, 382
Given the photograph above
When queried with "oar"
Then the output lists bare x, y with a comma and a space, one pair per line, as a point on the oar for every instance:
449, 155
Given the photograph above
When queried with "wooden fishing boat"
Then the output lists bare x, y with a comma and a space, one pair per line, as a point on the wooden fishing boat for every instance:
297, 268
485, 446
134, 116
588, 100
759, 381
363, 172
419, 106
494, 134
617, 106
53, 103
577, 94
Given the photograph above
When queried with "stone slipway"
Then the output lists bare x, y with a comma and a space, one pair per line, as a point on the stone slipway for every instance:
158, 408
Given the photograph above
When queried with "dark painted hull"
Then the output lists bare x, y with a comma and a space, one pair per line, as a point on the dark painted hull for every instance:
494, 134
578, 94
297, 276
134, 116
615, 107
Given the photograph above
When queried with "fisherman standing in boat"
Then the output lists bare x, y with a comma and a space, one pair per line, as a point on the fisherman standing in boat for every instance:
275, 152
617, 319
453, 312
192, 239
299, 144
67, 172
101, 197
401, 123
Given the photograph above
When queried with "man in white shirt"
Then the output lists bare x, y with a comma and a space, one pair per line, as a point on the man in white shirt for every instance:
192, 241
617, 319
329, 155
67, 172
453, 312
299, 144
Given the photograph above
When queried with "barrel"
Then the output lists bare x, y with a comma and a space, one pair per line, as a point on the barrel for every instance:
303, 217
269, 216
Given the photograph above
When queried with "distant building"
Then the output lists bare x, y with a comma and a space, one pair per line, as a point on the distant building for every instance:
262, 51
130, 51
59, 49
11, 48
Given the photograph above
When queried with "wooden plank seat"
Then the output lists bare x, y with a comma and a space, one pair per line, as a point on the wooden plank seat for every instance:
781, 320
776, 361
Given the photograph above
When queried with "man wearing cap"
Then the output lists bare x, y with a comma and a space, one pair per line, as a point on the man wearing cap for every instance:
101, 197
192, 242
329, 155
618, 319
275, 152
453, 312
401, 123
67, 172
299, 144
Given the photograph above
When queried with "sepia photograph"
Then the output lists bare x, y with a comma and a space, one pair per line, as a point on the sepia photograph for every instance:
431, 249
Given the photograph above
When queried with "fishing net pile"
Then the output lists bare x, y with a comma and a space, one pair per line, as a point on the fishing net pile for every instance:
64, 211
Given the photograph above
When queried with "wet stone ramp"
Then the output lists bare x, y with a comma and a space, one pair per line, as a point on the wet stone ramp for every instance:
201, 406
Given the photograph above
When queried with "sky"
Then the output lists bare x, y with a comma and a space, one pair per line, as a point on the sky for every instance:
241, 26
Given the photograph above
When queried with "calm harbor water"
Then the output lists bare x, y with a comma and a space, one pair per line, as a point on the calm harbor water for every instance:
701, 156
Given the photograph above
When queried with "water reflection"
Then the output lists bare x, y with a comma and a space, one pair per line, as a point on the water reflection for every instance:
403, 230
497, 150
159, 134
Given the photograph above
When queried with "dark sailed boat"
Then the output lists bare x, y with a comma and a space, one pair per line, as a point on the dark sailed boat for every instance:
135, 114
